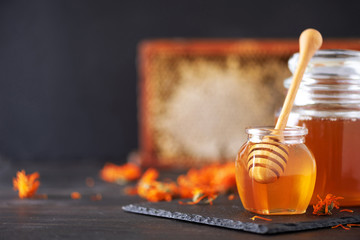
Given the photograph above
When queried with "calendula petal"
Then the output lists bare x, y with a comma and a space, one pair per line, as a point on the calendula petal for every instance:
27, 185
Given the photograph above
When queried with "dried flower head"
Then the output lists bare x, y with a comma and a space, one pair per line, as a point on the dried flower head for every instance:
120, 173
201, 185
324, 207
211, 180
27, 185
201, 196
153, 190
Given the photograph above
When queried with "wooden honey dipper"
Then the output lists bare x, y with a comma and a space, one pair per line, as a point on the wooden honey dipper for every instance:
267, 160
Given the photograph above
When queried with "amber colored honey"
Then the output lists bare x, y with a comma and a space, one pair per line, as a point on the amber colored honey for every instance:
335, 144
290, 194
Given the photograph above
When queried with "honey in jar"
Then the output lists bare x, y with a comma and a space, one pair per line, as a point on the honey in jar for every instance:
336, 144
328, 105
291, 191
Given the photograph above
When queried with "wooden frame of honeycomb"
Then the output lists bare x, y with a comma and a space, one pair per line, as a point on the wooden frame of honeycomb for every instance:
197, 96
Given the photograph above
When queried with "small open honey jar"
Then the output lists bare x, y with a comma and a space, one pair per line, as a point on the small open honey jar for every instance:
293, 177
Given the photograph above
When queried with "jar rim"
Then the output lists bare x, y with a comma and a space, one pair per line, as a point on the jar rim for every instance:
335, 54
330, 64
289, 131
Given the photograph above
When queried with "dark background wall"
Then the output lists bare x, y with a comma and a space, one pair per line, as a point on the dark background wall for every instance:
68, 68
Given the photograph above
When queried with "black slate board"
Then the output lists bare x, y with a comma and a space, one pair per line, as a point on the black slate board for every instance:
231, 214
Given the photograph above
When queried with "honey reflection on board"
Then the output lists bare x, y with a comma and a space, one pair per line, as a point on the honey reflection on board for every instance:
335, 144
290, 194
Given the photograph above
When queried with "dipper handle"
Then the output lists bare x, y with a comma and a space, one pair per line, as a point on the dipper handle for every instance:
310, 41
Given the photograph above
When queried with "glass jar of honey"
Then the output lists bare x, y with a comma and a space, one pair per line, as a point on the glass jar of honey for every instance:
283, 154
328, 105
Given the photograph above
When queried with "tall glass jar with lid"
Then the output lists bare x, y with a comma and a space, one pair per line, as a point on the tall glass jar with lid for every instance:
328, 105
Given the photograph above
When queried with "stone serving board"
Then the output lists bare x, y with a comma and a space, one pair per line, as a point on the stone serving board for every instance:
232, 215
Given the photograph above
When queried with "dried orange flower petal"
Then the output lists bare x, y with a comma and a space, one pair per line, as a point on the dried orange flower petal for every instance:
262, 218
75, 195
96, 197
353, 225
231, 197
346, 210
120, 173
27, 185
340, 225
199, 196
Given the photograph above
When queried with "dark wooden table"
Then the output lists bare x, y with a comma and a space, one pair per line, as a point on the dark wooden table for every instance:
60, 217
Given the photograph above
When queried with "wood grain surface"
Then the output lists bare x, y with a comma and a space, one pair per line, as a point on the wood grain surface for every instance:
60, 217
